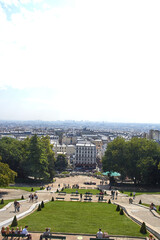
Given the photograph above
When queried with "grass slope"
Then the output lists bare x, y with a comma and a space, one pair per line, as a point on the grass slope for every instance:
83, 191
139, 193
80, 217
28, 189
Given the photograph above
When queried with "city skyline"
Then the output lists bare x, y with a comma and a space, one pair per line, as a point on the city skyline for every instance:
81, 60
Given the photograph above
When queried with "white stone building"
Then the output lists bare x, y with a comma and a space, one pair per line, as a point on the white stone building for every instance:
85, 155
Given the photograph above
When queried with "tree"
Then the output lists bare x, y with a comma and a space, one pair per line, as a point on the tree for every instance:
50, 157
37, 162
139, 159
13, 154
115, 157
6, 175
61, 162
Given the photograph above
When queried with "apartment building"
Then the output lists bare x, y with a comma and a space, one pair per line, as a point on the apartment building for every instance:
85, 155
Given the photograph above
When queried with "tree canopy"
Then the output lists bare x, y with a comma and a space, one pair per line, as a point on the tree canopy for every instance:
138, 159
32, 157
6, 174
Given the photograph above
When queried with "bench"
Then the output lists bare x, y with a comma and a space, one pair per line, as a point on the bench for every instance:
53, 237
88, 199
13, 235
76, 199
102, 200
74, 194
59, 198
62, 193
102, 238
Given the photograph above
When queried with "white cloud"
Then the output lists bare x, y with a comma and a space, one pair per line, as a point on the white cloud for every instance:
101, 53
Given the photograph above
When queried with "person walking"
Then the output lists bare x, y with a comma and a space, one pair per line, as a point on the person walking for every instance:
15, 206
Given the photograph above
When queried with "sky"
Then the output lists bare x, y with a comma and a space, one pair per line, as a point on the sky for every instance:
96, 60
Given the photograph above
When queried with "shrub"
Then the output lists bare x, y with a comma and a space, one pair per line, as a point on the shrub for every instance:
118, 208
52, 199
42, 204
22, 197
122, 191
32, 189
143, 229
109, 201
14, 222
39, 208
140, 202
121, 212
2, 201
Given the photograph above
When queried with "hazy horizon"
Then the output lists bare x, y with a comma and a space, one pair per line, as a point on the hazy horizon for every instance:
75, 59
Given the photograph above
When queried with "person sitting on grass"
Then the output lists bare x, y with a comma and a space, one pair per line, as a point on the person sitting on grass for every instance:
26, 233
46, 233
99, 234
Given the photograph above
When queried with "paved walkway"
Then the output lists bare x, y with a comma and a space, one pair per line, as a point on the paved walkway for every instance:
137, 212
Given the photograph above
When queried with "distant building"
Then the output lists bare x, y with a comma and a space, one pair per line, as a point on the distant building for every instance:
69, 140
68, 150
155, 135
85, 155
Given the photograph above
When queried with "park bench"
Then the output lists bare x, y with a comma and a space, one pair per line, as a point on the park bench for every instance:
59, 198
62, 193
102, 200
76, 199
74, 194
102, 238
52, 237
13, 235
88, 199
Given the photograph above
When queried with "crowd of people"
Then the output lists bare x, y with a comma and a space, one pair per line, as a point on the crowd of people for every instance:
18, 230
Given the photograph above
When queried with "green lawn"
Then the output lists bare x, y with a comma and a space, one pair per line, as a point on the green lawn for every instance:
139, 193
28, 189
81, 217
83, 191
6, 202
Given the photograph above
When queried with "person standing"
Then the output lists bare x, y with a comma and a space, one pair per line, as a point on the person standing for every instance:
18, 206
15, 206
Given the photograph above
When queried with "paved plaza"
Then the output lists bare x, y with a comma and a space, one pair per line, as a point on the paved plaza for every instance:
135, 211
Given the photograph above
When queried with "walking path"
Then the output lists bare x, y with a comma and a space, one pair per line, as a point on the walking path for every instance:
135, 211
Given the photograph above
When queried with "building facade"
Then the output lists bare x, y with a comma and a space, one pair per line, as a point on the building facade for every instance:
85, 156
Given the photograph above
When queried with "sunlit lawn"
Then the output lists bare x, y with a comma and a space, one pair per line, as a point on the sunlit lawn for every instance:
83, 191
80, 217
28, 189
139, 193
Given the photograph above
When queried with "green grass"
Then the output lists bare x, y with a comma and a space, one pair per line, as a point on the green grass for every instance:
139, 193
7, 201
28, 189
83, 191
81, 217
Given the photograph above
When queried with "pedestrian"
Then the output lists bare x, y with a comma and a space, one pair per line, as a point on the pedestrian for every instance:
30, 197
18, 206
81, 196
15, 206
116, 194
134, 195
